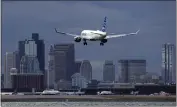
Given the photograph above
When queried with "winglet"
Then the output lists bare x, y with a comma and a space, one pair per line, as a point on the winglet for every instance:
56, 30
59, 31
137, 31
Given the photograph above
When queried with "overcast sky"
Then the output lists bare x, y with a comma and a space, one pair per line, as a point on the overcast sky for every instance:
156, 20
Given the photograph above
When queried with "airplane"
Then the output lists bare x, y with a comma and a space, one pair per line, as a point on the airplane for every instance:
105, 93
95, 35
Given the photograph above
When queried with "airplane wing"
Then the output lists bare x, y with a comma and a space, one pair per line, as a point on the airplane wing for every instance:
121, 35
74, 35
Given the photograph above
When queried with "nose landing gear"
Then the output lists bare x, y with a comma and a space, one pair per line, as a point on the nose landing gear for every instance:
101, 44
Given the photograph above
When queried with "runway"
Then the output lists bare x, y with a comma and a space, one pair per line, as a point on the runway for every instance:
21, 98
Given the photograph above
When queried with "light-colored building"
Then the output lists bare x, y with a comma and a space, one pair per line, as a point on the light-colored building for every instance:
62, 85
79, 81
29, 64
168, 63
149, 78
10, 62
86, 69
108, 71
51, 69
131, 70
30, 48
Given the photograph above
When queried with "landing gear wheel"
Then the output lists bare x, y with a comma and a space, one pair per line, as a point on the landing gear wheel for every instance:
101, 44
85, 43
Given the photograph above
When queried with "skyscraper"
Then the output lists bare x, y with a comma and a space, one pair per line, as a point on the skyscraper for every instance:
123, 69
168, 63
86, 69
51, 69
10, 62
17, 60
131, 70
2, 80
29, 64
64, 61
39, 45
40, 51
109, 71
21, 49
30, 48
77, 66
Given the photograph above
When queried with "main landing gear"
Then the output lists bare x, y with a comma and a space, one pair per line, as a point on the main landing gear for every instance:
101, 44
85, 43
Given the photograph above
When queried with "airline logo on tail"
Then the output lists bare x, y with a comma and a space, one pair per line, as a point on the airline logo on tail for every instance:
104, 25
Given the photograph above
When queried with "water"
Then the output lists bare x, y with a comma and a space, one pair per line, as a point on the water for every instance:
85, 104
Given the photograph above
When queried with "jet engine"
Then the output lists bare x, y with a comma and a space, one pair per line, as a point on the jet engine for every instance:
77, 39
104, 40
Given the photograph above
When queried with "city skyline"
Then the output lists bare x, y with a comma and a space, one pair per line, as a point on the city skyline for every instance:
157, 27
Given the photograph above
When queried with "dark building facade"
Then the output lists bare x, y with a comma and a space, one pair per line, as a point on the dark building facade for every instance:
64, 60
131, 70
2, 80
40, 50
77, 66
123, 67
27, 81
21, 48
109, 71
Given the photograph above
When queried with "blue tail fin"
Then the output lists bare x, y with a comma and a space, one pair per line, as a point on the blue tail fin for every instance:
104, 25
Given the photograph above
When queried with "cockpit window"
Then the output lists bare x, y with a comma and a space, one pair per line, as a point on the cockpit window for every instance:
84, 34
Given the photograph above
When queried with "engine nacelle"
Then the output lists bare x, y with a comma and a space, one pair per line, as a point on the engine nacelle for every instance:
77, 39
104, 40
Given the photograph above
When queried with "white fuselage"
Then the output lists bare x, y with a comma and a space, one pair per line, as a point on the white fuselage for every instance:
93, 35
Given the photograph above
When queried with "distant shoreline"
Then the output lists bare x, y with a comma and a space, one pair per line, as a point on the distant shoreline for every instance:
47, 98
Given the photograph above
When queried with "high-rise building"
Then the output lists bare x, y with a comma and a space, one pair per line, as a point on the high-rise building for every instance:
51, 69
64, 61
40, 51
29, 64
17, 61
108, 71
123, 69
21, 49
2, 80
86, 69
29, 47
168, 63
77, 66
10, 62
131, 70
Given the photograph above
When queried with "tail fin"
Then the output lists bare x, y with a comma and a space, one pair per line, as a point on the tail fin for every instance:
104, 25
